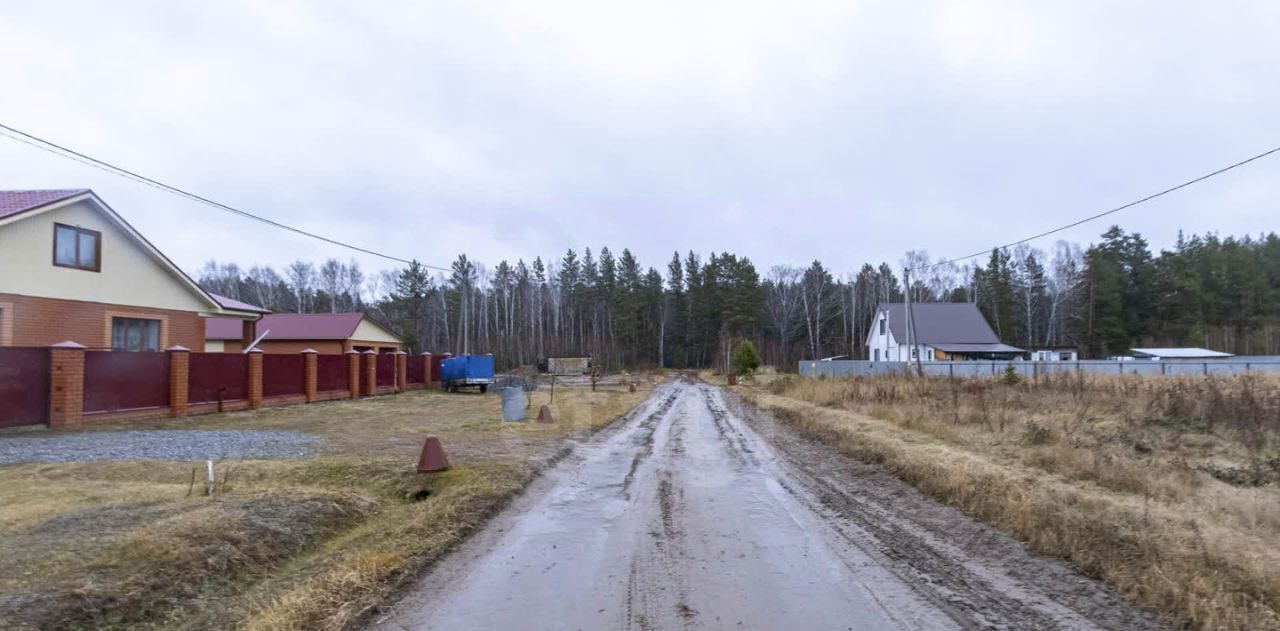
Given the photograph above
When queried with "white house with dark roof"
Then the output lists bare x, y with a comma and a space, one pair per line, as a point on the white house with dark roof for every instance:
941, 331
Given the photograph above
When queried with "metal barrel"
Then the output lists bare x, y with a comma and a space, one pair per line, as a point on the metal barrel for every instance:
513, 404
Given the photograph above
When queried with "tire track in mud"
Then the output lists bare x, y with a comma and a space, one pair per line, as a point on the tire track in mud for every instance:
654, 578
736, 443
644, 438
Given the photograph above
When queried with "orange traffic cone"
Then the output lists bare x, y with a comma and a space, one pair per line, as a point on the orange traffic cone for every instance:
433, 458
544, 415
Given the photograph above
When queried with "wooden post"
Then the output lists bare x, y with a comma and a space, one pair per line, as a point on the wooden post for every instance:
310, 362
179, 369
66, 384
255, 378
353, 372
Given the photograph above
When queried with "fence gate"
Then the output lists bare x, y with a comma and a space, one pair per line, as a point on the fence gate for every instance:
24, 386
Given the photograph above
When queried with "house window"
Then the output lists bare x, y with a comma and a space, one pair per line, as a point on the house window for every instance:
77, 248
135, 334
931, 354
881, 326
877, 355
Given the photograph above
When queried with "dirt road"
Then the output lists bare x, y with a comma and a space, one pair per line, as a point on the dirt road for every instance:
684, 517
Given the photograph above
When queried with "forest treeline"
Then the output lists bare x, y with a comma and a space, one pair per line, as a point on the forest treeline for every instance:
1220, 293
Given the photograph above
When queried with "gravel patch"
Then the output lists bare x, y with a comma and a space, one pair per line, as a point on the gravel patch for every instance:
161, 444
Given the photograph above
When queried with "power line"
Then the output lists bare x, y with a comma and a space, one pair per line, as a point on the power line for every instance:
1104, 213
59, 150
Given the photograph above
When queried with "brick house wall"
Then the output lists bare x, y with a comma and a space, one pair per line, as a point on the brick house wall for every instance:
31, 321
324, 347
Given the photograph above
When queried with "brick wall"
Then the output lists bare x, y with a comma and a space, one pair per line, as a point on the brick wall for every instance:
45, 321
324, 347
288, 347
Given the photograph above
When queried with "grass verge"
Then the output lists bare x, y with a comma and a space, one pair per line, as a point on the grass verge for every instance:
1134, 500
319, 543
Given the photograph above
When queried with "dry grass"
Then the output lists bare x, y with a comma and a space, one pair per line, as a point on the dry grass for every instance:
1164, 487
286, 544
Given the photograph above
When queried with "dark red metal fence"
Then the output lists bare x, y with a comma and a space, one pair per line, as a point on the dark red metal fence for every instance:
218, 377
435, 366
332, 373
417, 365
283, 374
24, 386
125, 381
385, 368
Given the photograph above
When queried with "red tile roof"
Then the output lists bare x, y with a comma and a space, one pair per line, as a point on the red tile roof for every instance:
15, 202
289, 326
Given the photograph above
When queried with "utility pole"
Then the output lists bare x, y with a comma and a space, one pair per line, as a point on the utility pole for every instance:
911, 325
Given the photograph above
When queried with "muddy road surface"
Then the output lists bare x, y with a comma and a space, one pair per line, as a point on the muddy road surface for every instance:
696, 512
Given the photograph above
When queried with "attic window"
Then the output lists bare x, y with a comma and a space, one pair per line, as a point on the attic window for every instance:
77, 248
881, 326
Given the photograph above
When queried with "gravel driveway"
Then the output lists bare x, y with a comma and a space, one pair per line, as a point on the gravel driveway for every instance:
162, 444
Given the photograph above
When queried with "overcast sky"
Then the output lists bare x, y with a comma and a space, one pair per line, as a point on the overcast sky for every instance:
788, 131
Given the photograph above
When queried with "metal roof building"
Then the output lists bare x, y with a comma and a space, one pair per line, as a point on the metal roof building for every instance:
1198, 354
942, 331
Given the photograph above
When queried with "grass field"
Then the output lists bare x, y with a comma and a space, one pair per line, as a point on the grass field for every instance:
1165, 487
317, 543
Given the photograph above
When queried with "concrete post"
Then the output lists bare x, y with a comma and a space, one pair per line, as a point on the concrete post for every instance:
255, 378
402, 371
66, 384
309, 363
179, 369
353, 372
370, 373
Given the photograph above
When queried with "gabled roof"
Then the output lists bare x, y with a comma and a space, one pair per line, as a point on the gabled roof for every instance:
951, 323
290, 326
17, 202
17, 205
1180, 353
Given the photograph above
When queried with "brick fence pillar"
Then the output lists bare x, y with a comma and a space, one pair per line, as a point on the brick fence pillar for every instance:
427, 378
66, 384
309, 363
255, 378
353, 372
179, 369
402, 371
370, 373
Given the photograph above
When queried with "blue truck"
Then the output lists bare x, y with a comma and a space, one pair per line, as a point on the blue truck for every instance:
466, 371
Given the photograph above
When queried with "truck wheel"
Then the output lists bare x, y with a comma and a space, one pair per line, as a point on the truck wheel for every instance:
484, 388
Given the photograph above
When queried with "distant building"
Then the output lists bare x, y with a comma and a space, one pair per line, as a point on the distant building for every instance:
1055, 354
327, 333
1190, 354
943, 331
568, 365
